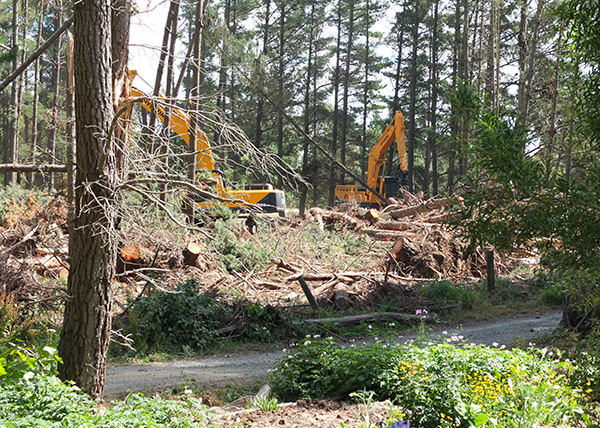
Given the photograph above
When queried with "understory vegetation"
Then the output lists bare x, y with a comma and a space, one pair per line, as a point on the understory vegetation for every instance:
447, 384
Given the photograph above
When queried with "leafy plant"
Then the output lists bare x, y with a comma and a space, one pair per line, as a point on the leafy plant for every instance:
439, 386
264, 403
366, 398
185, 317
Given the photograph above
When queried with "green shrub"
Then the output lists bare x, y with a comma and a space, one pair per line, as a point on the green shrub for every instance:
265, 323
551, 295
171, 321
439, 386
188, 319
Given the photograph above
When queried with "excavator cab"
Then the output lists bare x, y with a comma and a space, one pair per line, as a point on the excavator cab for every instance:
390, 186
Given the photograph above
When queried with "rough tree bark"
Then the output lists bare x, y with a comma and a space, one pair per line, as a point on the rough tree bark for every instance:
93, 231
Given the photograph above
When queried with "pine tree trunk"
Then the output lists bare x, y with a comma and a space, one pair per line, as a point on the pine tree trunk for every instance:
413, 98
93, 246
333, 177
11, 148
432, 136
307, 110
261, 101
346, 94
363, 157
280, 85
55, 88
36, 97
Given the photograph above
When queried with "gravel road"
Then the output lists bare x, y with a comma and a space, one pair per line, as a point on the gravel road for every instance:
250, 369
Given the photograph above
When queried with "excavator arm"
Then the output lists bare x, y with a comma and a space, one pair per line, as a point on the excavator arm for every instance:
386, 186
180, 124
394, 131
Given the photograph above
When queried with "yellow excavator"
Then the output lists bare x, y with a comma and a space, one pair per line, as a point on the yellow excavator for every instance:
386, 186
263, 196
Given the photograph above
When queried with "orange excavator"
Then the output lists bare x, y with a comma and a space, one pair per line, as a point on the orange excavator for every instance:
386, 186
263, 196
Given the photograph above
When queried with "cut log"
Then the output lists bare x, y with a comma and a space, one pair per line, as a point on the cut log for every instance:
191, 253
404, 225
428, 205
334, 217
130, 258
131, 253
341, 298
368, 214
397, 247
377, 316
384, 235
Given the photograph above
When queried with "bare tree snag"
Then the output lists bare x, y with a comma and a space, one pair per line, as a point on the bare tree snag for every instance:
306, 290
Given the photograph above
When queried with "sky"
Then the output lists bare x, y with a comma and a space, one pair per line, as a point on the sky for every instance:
145, 39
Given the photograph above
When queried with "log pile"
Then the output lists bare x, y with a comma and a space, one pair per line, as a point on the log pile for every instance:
422, 245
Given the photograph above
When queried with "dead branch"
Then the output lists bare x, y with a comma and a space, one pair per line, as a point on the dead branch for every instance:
373, 317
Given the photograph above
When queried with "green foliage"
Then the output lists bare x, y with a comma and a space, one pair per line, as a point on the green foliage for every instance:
501, 179
586, 355
237, 255
551, 295
266, 324
187, 320
32, 396
264, 403
139, 411
185, 317
446, 292
18, 362
439, 386
323, 369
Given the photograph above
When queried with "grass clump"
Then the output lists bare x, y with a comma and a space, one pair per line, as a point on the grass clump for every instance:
446, 292
439, 386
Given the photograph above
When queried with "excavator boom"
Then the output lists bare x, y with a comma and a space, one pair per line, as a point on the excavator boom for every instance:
387, 186
180, 124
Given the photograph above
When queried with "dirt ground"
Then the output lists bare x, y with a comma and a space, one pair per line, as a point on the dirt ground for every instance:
306, 414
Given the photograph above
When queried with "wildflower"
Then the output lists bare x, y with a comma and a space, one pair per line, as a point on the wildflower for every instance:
399, 424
